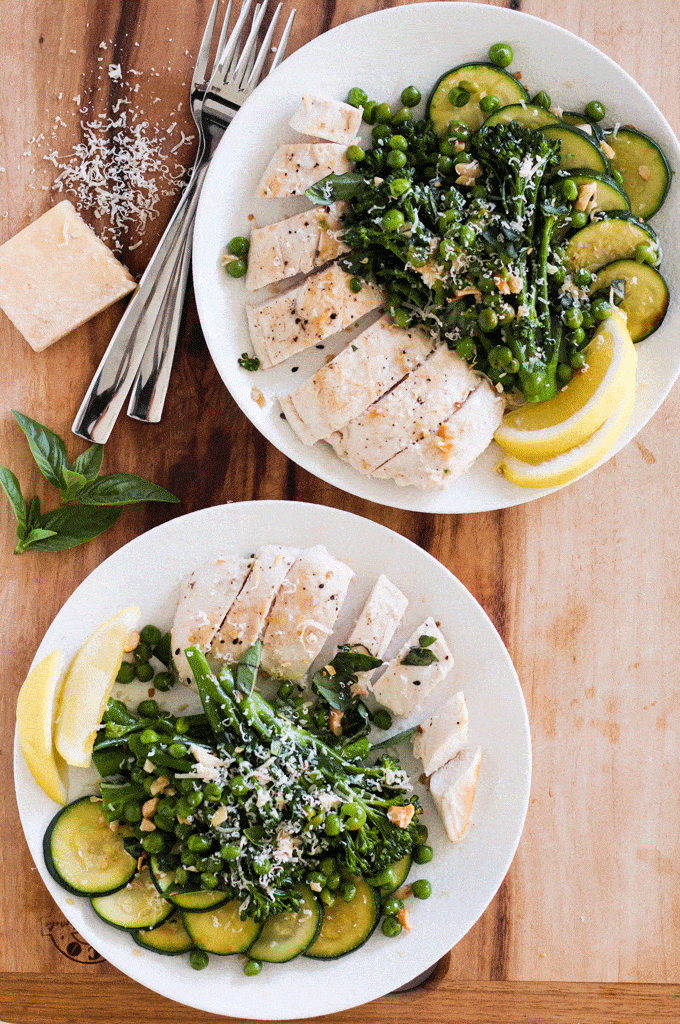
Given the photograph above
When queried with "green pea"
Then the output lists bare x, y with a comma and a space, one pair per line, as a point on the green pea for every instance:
466, 348
488, 320
447, 147
144, 672
149, 737
252, 967
183, 809
369, 111
383, 113
198, 843
398, 142
445, 164
381, 132
238, 246
595, 110
182, 829
316, 878
392, 220
564, 373
577, 360
582, 277
382, 719
327, 897
410, 96
152, 634
209, 880
458, 130
262, 866
579, 219
392, 906
194, 799
402, 116
181, 726
387, 877
459, 97
148, 709
357, 97
181, 875
421, 889
355, 286
348, 891
178, 750
236, 268
132, 812
239, 786
501, 55
588, 319
153, 842
188, 858
541, 99
198, 959
212, 792
569, 190
645, 253
286, 689
417, 257
126, 673
355, 154
142, 652
391, 927
164, 681
333, 880
617, 176
399, 186
577, 337
333, 825
327, 867
600, 309
573, 317
490, 104
229, 851
396, 160
401, 317
423, 854
354, 815
468, 235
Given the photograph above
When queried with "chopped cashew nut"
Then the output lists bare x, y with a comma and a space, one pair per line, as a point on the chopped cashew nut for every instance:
404, 919
401, 816
607, 150
146, 826
334, 722
149, 807
131, 641
585, 194
159, 785
644, 172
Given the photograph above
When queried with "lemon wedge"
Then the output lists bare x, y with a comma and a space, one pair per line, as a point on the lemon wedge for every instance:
567, 466
35, 724
549, 428
87, 687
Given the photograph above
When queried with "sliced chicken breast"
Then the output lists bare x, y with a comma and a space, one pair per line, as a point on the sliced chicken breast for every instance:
401, 688
327, 119
454, 794
303, 316
418, 405
449, 451
295, 246
245, 619
304, 613
204, 600
296, 166
358, 376
443, 735
377, 624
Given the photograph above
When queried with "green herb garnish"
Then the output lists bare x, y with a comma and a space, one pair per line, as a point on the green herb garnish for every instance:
421, 655
250, 363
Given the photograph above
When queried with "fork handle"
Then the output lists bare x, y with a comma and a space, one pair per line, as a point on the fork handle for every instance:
104, 399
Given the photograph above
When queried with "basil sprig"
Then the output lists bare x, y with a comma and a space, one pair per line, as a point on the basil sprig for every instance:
335, 685
88, 503
420, 655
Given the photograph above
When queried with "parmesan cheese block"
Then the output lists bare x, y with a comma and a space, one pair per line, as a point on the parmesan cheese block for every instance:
56, 274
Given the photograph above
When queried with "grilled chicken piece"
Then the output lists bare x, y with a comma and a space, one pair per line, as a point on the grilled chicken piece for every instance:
204, 600
443, 735
296, 166
246, 617
418, 405
377, 624
303, 316
358, 376
327, 119
401, 688
446, 453
304, 613
295, 246
454, 794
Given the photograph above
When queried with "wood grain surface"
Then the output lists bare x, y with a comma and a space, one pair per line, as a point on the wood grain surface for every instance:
582, 584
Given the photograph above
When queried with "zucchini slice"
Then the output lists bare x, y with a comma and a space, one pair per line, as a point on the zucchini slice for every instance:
646, 295
400, 869
582, 121
577, 149
643, 167
222, 932
528, 114
170, 938
82, 853
183, 898
483, 80
137, 905
346, 926
609, 196
287, 935
604, 241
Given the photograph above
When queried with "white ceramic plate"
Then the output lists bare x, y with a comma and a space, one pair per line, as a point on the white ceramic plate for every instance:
464, 878
382, 53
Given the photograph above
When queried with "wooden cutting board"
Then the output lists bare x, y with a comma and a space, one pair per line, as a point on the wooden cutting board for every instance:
581, 584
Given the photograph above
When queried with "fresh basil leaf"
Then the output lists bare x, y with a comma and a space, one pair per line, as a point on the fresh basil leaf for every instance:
33, 516
334, 691
395, 740
122, 489
12, 489
74, 525
349, 661
246, 668
356, 722
47, 448
256, 833
419, 656
426, 641
89, 462
31, 538
335, 186
73, 484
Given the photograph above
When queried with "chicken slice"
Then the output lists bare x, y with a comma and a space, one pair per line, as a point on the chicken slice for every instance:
327, 119
303, 316
401, 688
443, 735
449, 451
295, 246
454, 794
418, 405
204, 600
304, 613
246, 617
296, 166
358, 376
377, 624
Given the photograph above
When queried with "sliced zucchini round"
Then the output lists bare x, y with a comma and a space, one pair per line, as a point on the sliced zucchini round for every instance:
583, 122
577, 149
137, 905
400, 869
287, 935
170, 938
346, 926
484, 80
643, 167
82, 853
528, 114
604, 241
184, 898
609, 196
222, 932
645, 298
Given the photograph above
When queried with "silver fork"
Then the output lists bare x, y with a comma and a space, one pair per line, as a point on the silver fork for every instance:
152, 317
